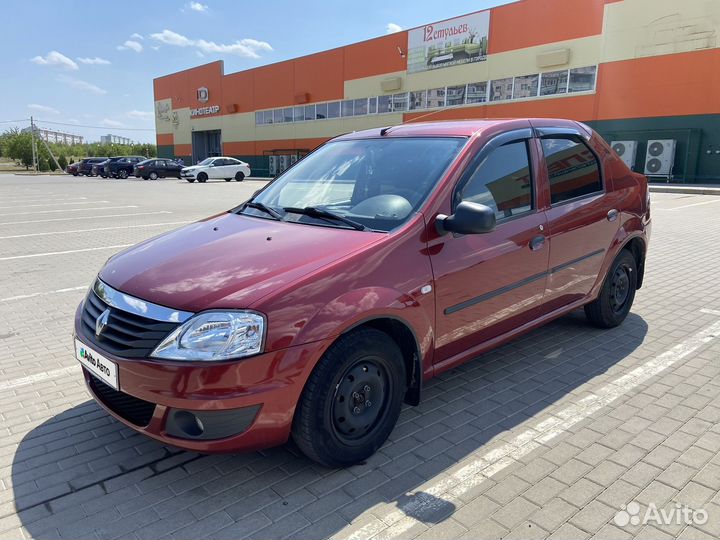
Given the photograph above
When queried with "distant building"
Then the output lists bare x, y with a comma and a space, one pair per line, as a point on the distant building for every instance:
60, 137
114, 139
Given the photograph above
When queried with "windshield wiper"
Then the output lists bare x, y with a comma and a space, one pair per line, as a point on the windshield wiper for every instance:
314, 211
260, 206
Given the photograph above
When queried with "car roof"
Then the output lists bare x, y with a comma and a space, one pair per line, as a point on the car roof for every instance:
451, 128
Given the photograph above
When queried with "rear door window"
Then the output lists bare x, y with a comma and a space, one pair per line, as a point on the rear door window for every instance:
502, 181
573, 169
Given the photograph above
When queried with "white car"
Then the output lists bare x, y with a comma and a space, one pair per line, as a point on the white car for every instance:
226, 168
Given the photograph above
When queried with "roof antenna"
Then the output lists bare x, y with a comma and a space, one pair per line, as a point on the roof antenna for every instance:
384, 130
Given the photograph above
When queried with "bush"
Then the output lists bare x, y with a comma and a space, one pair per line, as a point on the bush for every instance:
43, 164
62, 161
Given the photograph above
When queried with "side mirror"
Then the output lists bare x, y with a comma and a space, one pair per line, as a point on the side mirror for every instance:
469, 218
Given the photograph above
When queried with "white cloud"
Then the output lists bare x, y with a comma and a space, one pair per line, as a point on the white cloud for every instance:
81, 85
197, 6
93, 61
141, 115
54, 58
136, 36
248, 48
107, 122
130, 44
42, 108
392, 28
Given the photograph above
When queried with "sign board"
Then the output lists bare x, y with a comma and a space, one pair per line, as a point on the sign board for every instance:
202, 111
449, 43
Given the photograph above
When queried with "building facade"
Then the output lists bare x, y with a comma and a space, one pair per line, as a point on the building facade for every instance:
114, 139
638, 71
60, 137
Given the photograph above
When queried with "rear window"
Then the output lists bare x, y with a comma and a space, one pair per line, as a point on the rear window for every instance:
572, 168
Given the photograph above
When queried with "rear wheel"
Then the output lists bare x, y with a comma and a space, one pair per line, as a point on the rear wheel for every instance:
228, 179
122, 173
153, 175
239, 176
191, 180
144, 177
617, 294
352, 399
202, 177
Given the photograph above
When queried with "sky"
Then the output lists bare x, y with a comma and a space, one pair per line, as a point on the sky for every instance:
90, 64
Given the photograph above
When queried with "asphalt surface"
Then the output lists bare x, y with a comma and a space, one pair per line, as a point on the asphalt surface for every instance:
567, 432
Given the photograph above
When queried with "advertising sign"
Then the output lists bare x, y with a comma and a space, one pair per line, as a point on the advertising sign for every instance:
449, 43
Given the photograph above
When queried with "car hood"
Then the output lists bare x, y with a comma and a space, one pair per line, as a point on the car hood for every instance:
193, 167
228, 261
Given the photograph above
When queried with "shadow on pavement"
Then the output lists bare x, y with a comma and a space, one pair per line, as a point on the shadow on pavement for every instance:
81, 474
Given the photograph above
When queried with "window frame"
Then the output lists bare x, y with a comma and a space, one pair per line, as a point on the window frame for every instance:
524, 135
575, 136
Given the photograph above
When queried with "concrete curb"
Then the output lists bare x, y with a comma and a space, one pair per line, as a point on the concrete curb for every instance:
685, 188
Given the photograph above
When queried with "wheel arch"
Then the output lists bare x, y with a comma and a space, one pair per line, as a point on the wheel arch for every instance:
638, 248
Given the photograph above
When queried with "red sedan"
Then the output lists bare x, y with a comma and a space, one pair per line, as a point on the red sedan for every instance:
387, 256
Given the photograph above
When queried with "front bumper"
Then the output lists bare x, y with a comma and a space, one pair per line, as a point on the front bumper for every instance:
188, 174
248, 404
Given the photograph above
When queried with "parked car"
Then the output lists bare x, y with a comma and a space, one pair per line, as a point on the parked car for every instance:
72, 169
98, 169
86, 165
387, 256
123, 166
157, 168
226, 168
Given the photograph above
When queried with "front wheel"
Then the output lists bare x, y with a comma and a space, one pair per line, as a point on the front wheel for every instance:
617, 294
202, 177
352, 399
191, 180
228, 179
123, 174
239, 176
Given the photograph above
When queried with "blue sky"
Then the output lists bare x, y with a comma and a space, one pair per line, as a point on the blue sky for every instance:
91, 63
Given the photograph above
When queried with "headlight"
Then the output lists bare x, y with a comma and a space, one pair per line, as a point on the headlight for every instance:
214, 335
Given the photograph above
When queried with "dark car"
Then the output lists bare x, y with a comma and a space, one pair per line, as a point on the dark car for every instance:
157, 168
86, 165
123, 166
72, 169
98, 169
385, 257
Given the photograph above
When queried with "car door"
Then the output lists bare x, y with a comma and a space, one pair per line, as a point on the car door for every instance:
582, 214
488, 284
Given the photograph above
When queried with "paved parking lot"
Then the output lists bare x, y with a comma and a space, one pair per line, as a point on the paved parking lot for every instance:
568, 432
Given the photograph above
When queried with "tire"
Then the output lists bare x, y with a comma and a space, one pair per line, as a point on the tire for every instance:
202, 177
239, 176
617, 294
352, 400
144, 177
74, 174
228, 179
153, 175
191, 180
122, 174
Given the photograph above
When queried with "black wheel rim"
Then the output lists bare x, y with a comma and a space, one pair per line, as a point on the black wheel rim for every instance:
359, 403
620, 288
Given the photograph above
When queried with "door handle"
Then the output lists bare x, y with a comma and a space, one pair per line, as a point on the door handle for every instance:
537, 242
612, 215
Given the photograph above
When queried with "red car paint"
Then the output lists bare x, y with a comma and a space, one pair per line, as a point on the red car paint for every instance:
315, 283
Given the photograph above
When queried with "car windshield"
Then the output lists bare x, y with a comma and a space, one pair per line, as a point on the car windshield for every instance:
206, 161
376, 183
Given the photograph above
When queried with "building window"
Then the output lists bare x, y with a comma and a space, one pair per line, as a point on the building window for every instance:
436, 97
278, 117
477, 92
333, 109
259, 117
553, 82
372, 105
298, 113
360, 107
383, 104
347, 108
582, 79
525, 87
572, 168
399, 102
309, 112
288, 114
501, 89
268, 117
455, 95
321, 111
417, 99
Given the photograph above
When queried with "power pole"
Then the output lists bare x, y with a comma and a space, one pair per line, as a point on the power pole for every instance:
32, 139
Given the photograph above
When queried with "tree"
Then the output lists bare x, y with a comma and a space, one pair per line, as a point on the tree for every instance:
43, 164
62, 161
19, 146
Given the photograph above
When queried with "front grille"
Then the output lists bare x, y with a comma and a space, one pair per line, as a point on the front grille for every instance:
126, 335
134, 410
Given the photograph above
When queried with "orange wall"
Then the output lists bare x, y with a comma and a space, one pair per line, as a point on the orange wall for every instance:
376, 56
164, 139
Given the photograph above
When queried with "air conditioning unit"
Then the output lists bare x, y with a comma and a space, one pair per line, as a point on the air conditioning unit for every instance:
626, 150
660, 157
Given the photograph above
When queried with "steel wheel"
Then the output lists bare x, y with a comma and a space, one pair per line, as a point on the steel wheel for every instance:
619, 288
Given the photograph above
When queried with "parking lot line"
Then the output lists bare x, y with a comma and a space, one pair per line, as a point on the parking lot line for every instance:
42, 197
54, 204
423, 504
49, 253
710, 311
30, 379
85, 217
70, 210
93, 230
33, 295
